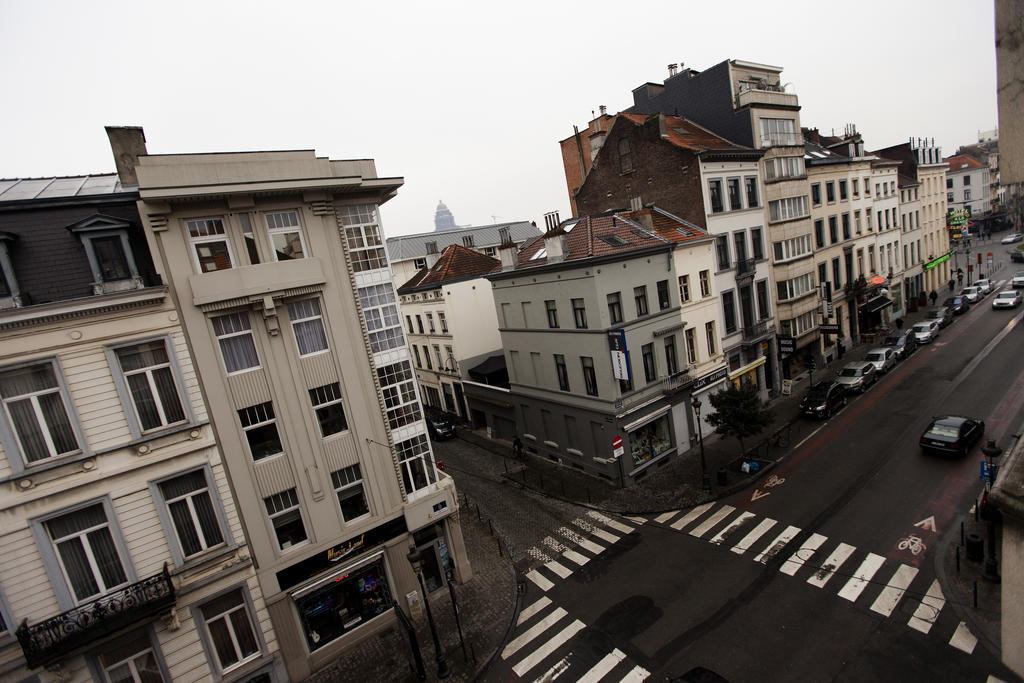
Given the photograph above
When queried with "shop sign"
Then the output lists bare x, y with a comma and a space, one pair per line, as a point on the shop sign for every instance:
620, 362
617, 449
340, 552
710, 378
787, 344
829, 329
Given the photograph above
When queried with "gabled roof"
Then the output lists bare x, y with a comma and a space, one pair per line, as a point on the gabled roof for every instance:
407, 247
963, 162
456, 263
16, 189
686, 134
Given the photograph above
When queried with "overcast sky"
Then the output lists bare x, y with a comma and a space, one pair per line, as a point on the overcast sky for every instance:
467, 102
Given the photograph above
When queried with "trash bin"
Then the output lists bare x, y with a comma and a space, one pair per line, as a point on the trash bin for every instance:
723, 476
974, 546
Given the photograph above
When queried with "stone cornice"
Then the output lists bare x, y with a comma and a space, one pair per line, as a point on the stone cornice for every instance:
18, 318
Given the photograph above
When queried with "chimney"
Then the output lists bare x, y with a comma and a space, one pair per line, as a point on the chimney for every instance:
507, 251
432, 254
127, 143
556, 242
672, 70
551, 220
603, 109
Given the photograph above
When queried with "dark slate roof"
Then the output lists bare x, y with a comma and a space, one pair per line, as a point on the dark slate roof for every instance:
17, 189
456, 263
405, 247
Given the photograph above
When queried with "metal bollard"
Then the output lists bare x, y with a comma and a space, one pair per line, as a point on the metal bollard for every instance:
958, 559
961, 538
975, 594
491, 527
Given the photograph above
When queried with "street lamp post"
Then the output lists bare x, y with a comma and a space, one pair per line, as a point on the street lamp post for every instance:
705, 479
416, 560
991, 571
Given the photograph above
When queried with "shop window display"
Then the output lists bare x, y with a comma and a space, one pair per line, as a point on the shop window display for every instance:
650, 441
348, 601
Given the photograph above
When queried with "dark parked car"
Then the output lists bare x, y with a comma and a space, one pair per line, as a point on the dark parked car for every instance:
903, 343
952, 435
439, 426
943, 316
958, 305
823, 399
1017, 256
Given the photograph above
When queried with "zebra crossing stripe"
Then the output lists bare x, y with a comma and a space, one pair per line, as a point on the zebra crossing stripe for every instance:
638, 520
735, 524
778, 544
603, 667
963, 639
856, 585
555, 642
691, 515
755, 533
887, 600
594, 548
529, 634
711, 521
797, 559
533, 609
538, 578
928, 611
559, 568
605, 536
831, 564
637, 674
576, 557
608, 521
665, 516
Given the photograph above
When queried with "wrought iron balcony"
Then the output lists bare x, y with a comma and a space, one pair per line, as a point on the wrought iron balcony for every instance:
745, 268
61, 636
756, 331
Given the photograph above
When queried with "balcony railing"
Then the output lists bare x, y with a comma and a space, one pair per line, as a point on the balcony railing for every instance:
745, 268
756, 331
782, 140
61, 636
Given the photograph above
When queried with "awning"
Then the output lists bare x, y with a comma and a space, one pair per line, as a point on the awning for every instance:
650, 417
748, 367
876, 304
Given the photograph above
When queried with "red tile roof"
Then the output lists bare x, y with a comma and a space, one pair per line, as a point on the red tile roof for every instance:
686, 134
456, 263
963, 162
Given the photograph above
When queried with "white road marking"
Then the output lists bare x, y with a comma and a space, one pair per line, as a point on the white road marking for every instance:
887, 600
528, 612
576, 557
637, 674
963, 639
831, 564
797, 559
604, 666
755, 533
928, 611
559, 568
665, 516
554, 544
608, 521
594, 548
711, 521
735, 524
691, 515
529, 634
856, 585
605, 536
638, 520
538, 655
537, 578
778, 544
560, 667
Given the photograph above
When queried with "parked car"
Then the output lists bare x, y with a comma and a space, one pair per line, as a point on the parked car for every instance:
857, 376
1008, 298
925, 331
903, 343
956, 305
1018, 279
971, 294
1011, 238
439, 427
943, 316
984, 285
951, 435
1017, 256
883, 358
823, 399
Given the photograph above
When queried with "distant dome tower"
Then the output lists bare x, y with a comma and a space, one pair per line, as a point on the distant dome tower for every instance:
443, 218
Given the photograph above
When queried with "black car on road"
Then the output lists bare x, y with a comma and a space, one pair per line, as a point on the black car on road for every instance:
823, 399
903, 343
439, 426
952, 435
957, 304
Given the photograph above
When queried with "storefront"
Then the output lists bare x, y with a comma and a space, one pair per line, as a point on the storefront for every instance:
652, 439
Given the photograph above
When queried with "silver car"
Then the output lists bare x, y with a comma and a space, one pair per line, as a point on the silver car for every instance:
971, 294
1008, 298
883, 358
857, 376
1018, 279
984, 285
925, 331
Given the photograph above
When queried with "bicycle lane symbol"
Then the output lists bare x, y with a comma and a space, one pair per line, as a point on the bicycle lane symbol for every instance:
913, 543
769, 483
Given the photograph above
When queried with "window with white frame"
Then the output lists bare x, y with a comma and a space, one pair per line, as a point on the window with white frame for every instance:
286, 519
796, 287
327, 404
149, 377
192, 514
709, 333
443, 321
416, 463
231, 631
705, 283
684, 288
690, 337
750, 183
308, 326
87, 552
802, 324
132, 659
237, 346
210, 244
362, 235
260, 426
430, 323
783, 167
285, 235
787, 209
382, 321
779, 132
348, 485
36, 409
398, 384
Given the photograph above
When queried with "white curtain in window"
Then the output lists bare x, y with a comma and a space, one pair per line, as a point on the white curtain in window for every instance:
34, 402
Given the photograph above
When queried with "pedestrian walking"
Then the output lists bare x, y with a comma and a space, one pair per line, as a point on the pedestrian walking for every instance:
933, 296
517, 447
951, 283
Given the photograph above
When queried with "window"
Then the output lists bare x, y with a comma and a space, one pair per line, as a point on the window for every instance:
552, 310
796, 287
229, 624
715, 194
625, 156
191, 512
330, 412
467, 241
86, 552
757, 243
816, 194
399, 389
856, 187
763, 309
579, 314
949, 183
750, 182
260, 426
35, 407
833, 229
949, 197
111, 254
640, 299
795, 247
437, 354
867, 186
842, 190
210, 244
819, 232
846, 226
348, 485
286, 519
237, 348
690, 339
663, 297
830, 192
155, 398
650, 371
249, 238
426, 357
416, 465
419, 323
735, 200
722, 251
589, 378
561, 372
285, 235
684, 288
967, 180
362, 236
671, 361
131, 659
381, 313
787, 209
967, 195
837, 279
615, 308
779, 132
856, 222
729, 309
443, 322
408, 324
308, 326
416, 353
430, 323
419, 263
709, 332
